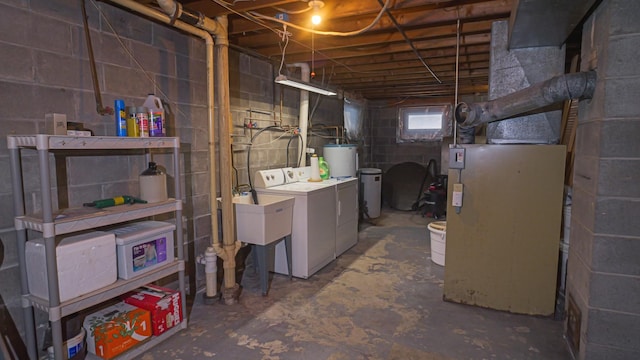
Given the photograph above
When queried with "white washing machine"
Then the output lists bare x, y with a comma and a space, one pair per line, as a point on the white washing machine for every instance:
346, 211
313, 235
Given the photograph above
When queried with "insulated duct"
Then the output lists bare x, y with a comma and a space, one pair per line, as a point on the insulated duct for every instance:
560, 88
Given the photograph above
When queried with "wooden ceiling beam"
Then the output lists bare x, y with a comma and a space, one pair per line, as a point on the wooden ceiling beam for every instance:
407, 17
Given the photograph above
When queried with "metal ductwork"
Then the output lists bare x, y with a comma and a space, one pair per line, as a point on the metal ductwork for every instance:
560, 88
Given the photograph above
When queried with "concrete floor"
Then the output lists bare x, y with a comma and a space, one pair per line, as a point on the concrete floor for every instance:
382, 299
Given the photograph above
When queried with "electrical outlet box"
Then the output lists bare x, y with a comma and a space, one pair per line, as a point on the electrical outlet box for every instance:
456, 158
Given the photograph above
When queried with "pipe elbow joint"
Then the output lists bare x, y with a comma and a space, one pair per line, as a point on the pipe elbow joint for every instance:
465, 115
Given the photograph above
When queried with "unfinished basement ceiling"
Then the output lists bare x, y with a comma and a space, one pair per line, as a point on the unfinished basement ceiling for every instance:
378, 63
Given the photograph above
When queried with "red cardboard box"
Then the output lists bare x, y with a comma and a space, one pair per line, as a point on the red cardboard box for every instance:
114, 330
164, 304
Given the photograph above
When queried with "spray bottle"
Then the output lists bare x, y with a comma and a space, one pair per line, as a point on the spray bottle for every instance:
121, 118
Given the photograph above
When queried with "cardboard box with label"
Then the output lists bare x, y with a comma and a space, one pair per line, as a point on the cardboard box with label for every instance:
164, 304
115, 329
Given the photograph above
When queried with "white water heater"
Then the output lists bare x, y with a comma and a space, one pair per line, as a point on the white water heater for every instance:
342, 159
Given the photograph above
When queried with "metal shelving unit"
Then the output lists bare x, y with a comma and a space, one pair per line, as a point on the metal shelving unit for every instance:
68, 221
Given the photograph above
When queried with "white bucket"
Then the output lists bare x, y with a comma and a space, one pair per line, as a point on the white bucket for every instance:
438, 235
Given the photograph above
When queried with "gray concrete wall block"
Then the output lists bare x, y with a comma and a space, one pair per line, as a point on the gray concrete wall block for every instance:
200, 205
62, 9
131, 188
621, 49
5, 176
621, 99
202, 226
106, 47
192, 67
621, 22
581, 242
578, 285
615, 292
17, 63
126, 82
585, 173
583, 208
616, 255
619, 177
198, 161
6, 212
63, 71
617, 216
84, 170
242, 62
79, 195
126, 24
263, 69
619, 138
200, 183
51, 35
588, 139
610, 328
155, 60
21, 101
174, 41
14, 25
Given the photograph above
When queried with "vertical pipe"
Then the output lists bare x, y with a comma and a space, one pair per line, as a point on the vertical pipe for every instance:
226, 128
303, 117
210, 27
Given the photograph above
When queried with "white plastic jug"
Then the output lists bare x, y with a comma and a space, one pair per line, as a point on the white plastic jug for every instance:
157, 123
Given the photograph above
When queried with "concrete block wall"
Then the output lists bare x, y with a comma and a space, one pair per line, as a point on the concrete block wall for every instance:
45, 69
603, 269
380, 147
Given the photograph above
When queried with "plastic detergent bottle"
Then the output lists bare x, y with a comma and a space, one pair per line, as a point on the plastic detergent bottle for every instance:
324, 168
156, 116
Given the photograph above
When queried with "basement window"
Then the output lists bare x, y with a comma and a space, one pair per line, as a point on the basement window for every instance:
423, 123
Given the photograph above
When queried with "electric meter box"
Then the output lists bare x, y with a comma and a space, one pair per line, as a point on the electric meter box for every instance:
86, 262
143, 246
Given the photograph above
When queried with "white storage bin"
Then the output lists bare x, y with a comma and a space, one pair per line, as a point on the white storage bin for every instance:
143, 246
86, 262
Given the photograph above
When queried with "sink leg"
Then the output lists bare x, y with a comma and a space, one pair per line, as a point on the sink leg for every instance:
261, 254
287, 245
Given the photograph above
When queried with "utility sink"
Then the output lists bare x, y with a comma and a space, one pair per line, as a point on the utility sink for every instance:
267, 222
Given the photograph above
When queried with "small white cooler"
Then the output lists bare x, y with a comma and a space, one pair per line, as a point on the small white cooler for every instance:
86, 262
143, 246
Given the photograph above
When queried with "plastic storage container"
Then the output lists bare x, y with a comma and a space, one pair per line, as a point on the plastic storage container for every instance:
143, 246
86, 262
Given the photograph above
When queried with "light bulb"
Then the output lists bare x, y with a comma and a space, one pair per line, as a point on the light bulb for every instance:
316, 19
